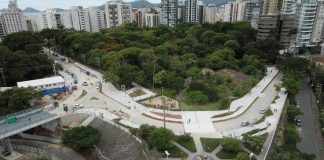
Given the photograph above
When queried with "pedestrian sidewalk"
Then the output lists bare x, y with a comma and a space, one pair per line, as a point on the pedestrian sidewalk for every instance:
240, 105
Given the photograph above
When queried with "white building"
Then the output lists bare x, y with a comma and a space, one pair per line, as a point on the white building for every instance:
306, 18
46, 85
191, 11
97, 19
117, 13
289, 6
80, 19
318, 27
213, 14
13, 19
67, 19
152, 19
54, 18
169, 15
235, 11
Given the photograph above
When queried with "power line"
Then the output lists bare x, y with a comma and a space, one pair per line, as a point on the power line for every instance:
3, 77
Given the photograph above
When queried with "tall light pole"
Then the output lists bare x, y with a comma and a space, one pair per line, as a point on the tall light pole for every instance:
319, 91
163, 108
3, 77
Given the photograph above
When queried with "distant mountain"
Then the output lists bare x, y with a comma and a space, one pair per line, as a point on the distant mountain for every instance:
3, 10
60, 9
142, 3
217, 2
30, 10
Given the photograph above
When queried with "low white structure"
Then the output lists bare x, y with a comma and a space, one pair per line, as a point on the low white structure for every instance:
46, 85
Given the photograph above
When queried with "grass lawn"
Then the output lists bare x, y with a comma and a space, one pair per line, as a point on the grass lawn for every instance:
166, 92
84, 93
176, 152
200, 107
187, 143
223, 154
137, 93
268, 113
209, 144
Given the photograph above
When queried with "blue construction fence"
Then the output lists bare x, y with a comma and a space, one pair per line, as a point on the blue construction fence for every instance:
53, 90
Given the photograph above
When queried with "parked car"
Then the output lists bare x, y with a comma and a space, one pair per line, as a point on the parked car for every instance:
78, 106
85, 84
245, 123
87, 72
263, 111
74, 87
298, 122
75, 81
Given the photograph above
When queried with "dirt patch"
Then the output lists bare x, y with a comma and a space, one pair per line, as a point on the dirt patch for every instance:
162, 101
237, 77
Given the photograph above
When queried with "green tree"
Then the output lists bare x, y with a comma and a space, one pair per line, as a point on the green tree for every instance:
160, 138
242, 156
81, 138
292, 85
111, 77
196, 97
231, 144
293, 112
291, 136
233, 44
145, 131
29, 41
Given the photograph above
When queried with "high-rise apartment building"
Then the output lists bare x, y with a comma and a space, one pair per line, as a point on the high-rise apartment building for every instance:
80, 18
213, 13
268, 27
117, 13
97, 19
289, 6
152, 19
271, 7
287, 30
169, 12
318, 27
306, 13
54, 18
191, 11
234, 11
13, 19
67, 19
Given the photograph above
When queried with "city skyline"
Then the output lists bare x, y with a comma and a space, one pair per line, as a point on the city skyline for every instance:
64, 4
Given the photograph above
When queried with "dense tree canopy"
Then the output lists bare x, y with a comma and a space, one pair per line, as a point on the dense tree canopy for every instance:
16, 99
81, 138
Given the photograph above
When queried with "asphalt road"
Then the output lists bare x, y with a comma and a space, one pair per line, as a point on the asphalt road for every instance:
311, 141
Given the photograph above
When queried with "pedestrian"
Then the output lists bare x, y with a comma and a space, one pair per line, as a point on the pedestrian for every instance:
106, 108
29, 119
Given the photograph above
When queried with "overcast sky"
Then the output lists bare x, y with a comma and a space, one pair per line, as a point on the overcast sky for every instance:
44, 4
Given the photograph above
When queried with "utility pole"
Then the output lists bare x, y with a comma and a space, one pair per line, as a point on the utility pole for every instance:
153, 74
54, 69
98, 62
83, 57
3, 77
163, 108
318, 91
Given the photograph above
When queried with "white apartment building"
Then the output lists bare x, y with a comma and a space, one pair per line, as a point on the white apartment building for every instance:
306, 18
234, 11
152, 19
169, 9
54, 18
13, 20
318, 27
213, 14
289, 7
97, 19
67, 19
191, 11
117, 13
80, 19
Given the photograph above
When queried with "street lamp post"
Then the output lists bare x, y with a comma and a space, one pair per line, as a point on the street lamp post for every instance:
167, 154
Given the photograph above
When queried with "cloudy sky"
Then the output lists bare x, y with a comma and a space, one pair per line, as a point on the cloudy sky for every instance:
44, 4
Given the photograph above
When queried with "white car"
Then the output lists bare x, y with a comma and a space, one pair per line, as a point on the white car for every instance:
263, 111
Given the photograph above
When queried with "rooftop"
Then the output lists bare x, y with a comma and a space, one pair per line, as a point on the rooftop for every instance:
39, 82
